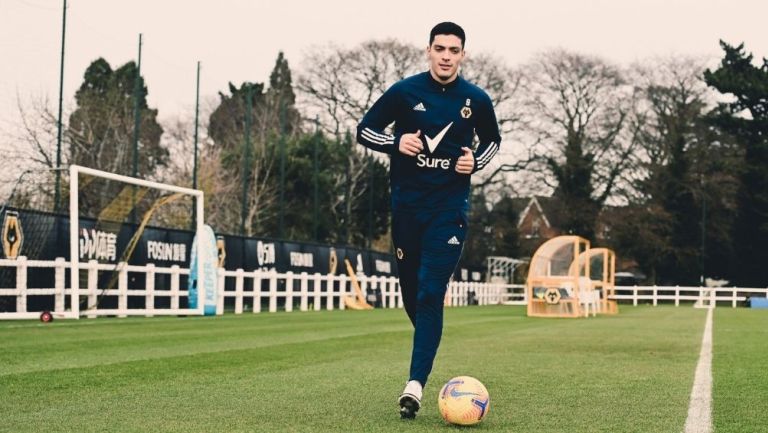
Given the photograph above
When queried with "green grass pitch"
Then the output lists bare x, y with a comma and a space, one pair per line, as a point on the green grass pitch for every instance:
343, 370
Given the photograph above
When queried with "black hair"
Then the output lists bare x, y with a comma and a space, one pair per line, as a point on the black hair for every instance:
447, 28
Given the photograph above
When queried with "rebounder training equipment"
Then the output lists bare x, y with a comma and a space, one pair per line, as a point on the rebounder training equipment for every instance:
355, 302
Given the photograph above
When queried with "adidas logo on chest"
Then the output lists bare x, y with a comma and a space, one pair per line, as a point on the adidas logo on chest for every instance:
419, 107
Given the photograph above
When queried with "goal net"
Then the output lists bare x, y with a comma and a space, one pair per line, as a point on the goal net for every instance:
32, 230
130, 244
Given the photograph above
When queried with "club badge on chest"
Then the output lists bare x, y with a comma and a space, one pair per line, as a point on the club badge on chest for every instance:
466, 111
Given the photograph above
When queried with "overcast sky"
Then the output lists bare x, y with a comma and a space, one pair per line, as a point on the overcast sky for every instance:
238, 40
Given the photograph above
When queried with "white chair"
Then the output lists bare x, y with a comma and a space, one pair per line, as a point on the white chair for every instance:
588, 296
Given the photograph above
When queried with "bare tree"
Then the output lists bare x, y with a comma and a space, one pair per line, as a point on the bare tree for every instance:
341, 84
680, 164
28, 167
670, 96
222, 210
226, 128
35, 137
577, 112
221, 194
504, 86
338, 87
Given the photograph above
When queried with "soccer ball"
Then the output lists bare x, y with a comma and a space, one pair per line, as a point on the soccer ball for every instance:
463, 401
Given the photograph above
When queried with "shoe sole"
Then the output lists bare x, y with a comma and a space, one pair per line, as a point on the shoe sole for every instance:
409, 405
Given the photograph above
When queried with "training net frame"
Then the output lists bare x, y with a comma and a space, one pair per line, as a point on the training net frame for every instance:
554, 285
503, 268
76, 266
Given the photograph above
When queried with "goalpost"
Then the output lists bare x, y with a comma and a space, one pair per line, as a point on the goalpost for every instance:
122, 247
126, 201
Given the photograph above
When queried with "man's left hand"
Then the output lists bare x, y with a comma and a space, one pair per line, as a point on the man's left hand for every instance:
466, 162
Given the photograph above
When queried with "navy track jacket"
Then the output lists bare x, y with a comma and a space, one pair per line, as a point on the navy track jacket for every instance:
448, 116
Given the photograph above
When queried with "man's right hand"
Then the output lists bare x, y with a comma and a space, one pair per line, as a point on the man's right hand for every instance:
410, 144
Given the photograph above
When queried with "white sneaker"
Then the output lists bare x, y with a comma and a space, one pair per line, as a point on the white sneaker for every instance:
410, 399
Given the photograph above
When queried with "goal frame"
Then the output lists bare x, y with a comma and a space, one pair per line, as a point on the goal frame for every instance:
74, 227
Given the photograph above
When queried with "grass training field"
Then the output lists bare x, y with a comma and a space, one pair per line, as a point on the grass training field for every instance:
343, 370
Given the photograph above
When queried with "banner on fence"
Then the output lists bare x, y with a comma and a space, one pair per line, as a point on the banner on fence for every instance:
46, 237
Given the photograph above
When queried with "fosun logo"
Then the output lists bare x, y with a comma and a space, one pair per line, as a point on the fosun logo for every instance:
419, 107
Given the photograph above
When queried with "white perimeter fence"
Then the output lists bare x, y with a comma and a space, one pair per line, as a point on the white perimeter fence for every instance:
676, 294
256, 291
263, 290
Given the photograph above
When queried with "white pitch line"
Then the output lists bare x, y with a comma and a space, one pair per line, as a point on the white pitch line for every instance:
700, 409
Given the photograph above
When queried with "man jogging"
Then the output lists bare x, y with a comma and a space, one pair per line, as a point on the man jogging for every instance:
436, 115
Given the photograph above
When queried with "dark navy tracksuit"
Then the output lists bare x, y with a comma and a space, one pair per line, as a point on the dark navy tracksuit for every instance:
430, 199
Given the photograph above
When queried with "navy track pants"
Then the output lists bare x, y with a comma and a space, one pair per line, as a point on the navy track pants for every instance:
428, 246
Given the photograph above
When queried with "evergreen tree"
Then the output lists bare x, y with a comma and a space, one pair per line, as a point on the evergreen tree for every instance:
274, 123
746, 119
479, 238
275, 132
676, 226
281, 97
101, 130
248, 167
506, 241
101, 127
577, 108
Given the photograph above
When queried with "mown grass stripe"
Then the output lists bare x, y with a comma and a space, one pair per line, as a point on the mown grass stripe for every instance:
342, 371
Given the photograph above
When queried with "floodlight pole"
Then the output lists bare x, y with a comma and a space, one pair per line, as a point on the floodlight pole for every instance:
371, 167
197, 112
281, 219
703, 231
57, 196
315, 167
348, 189
137, 86
194, 157
246, 156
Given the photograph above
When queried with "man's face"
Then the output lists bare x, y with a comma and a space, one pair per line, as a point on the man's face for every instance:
445, 55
